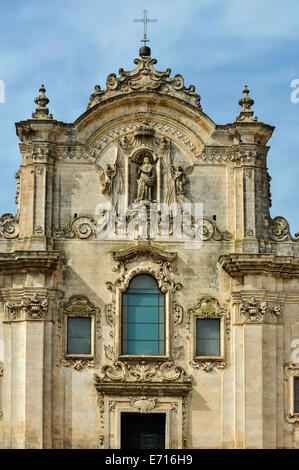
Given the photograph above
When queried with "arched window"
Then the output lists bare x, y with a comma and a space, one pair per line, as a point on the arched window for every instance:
143, 317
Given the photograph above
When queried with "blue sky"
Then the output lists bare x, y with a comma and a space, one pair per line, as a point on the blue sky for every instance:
218, 45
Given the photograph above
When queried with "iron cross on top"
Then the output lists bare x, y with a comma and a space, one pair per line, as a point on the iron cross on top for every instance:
145, 20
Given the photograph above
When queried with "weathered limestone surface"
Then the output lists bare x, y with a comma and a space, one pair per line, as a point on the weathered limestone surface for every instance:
58, 258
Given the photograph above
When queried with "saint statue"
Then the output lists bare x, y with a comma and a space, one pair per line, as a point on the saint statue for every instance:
146, 180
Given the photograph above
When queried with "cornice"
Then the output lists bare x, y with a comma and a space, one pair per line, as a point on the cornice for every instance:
28, 261
240, 264
150, 388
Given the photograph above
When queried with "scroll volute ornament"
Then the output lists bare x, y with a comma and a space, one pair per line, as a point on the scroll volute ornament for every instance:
145, 78
280, 230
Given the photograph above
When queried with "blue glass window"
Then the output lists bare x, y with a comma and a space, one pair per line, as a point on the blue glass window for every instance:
78, 335
208, 337
143, 317
296, 395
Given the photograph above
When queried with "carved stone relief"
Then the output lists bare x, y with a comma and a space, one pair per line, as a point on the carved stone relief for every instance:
18, 178
280, 230
41, 153
145, 78
32, 308
9, 227
80, 227
144, 404
84, 227
215, 155
255, 311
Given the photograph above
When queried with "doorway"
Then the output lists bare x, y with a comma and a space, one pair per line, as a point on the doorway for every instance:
143, 431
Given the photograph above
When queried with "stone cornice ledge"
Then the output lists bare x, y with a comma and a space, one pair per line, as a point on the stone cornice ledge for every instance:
240, 264
25, 261
150, 388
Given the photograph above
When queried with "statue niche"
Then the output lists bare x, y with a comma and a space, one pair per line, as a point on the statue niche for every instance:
143, 171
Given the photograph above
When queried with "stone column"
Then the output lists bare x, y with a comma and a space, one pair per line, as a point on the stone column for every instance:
256, 337
28, 364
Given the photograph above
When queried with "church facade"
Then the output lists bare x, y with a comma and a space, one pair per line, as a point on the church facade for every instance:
148, 300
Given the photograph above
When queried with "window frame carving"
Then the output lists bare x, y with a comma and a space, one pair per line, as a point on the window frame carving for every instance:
158, 264
119, 307
291, 372
78, 306
165, 316
208, 307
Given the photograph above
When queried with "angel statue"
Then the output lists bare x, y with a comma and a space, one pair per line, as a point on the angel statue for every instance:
106, 178
111, 178
146, 180
177, 182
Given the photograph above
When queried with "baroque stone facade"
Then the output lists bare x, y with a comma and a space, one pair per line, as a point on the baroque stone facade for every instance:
91, 199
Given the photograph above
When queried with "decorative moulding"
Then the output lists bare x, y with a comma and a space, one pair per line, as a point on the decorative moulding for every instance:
209, 307
77, 306
291, 371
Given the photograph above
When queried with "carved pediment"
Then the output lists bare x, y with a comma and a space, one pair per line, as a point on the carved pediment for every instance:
144, 252
145, 78
208, 307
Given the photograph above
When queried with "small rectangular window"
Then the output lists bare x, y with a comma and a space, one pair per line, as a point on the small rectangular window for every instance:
208, 337
296, 395
78, 335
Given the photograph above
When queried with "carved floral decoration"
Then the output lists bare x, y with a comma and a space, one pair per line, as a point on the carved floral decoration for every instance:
143, 371
256, 311
34, 308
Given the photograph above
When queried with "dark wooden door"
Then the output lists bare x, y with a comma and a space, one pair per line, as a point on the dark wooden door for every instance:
143, 431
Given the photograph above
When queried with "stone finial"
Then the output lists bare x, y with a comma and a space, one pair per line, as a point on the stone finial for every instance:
246, 102
42, 112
